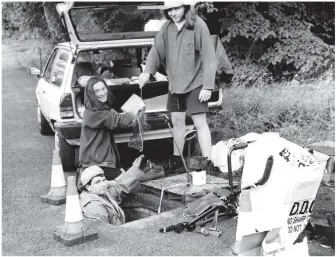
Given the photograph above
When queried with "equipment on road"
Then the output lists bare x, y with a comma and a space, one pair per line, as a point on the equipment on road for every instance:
74, 230
228, 206
56, 195
208, 231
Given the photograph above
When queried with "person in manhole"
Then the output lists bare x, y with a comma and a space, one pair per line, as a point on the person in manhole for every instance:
97, 144
100, 198
184, 46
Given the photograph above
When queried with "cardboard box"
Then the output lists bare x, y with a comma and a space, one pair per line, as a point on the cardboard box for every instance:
133, 104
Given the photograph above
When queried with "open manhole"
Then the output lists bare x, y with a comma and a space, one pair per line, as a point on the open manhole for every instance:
145, 202
143, 205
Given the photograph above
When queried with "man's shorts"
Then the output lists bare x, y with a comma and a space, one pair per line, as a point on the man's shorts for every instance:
187, 102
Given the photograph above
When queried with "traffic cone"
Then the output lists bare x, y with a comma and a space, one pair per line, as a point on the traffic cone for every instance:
74, 230
245, 225
56, 195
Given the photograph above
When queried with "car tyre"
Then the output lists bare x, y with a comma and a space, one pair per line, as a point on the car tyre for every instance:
67, 154
45, 128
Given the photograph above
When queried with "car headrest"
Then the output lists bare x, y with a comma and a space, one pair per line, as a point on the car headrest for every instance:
84, 68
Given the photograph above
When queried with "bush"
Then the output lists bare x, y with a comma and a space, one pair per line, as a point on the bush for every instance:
277, 39
265, 41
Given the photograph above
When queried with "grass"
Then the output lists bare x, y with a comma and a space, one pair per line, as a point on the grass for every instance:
303, 113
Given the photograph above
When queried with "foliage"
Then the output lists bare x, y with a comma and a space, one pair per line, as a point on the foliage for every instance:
23, 16
32, 20
265, 41
322, 17
277, 35
204, 8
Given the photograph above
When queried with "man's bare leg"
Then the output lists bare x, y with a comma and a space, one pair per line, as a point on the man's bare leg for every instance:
203, 133
179, 130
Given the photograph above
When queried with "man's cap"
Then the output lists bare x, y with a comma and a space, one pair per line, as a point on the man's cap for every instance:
175, 4
90, 173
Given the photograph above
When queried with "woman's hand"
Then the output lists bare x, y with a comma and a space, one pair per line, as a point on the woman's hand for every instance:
204, 95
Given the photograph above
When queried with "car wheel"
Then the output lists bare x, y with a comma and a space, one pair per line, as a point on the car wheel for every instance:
45, 128
67, 154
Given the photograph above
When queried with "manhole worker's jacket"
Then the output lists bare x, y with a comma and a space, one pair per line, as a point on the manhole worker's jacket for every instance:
105, 208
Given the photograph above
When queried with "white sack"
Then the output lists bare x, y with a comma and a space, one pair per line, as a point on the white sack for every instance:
286, 199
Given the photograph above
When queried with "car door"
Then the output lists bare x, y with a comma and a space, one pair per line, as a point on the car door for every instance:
43, 85
53, 80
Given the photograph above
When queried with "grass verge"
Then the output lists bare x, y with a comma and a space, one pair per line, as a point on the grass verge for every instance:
303, 113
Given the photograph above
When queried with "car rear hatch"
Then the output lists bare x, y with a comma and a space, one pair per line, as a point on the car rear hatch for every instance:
103, 23
97, 27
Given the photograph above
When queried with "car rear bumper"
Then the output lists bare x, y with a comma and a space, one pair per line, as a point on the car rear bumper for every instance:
68, 130
148, 135
71, 131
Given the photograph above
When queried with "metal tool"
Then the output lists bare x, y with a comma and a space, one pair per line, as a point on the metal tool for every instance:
167, 120
178, 228
208, 231
213, 231
214, 221
162, 191
187, 137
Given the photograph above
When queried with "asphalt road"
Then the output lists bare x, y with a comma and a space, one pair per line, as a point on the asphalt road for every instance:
26, 159
27, 223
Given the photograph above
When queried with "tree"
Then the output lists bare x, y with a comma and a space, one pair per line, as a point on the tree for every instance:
264, 40
55, 27
276, 38
33, 19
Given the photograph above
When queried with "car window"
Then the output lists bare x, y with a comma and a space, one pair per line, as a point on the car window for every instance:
99, 24
47, 71
56, 67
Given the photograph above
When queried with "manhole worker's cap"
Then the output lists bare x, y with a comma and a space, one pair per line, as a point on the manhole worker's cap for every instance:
90, 173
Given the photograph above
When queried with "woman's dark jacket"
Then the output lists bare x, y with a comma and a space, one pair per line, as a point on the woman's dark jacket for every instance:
97, 146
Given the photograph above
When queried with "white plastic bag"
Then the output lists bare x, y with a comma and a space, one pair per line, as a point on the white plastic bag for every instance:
287, 198
220, 150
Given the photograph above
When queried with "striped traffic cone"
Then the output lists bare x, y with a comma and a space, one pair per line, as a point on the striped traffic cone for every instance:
56, 195
74, 231
245, 225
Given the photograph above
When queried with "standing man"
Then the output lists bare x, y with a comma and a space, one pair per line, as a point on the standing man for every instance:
184, 46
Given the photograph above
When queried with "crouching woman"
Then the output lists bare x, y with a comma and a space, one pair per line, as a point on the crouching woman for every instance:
97, 145
100, 198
